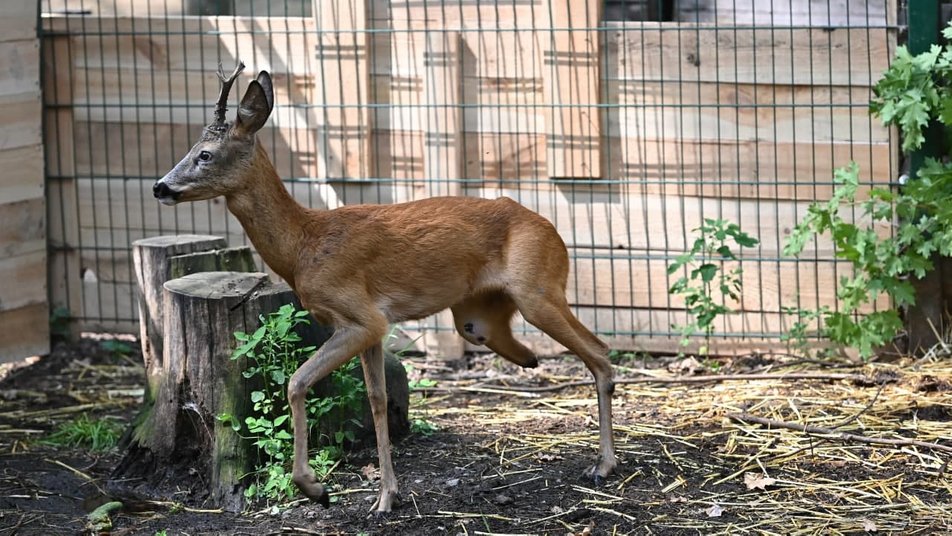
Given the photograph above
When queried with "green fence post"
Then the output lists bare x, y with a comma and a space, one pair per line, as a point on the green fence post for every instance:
925, 319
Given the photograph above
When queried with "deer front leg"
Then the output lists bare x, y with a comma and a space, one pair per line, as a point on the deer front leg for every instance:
346, 342
372, 360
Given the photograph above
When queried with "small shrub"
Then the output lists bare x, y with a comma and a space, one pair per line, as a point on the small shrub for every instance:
274, 352
707, 287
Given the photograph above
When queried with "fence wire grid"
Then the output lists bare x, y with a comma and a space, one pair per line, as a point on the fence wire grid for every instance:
624, 122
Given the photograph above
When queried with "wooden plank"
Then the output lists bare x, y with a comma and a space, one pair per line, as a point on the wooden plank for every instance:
26, 332
503, 76
742, 112
28, 273
342, 61
106, 149
571, 60
22, 120
279, 45
820, 13
19, 69
643, 282
399, 154
444, 150
22, 228
505, 156
414, 14
112, 94
705, 53
22, 174
18, 21
745, 169
443, 162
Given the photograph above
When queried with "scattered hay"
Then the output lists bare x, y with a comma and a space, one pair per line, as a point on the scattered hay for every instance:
792, 451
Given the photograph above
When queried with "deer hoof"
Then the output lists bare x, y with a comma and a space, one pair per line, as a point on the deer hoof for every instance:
384, 503
600, 471
312, 489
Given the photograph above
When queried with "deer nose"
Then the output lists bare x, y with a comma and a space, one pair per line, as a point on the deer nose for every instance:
160, 189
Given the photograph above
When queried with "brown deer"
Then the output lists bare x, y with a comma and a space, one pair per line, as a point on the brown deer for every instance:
360, 268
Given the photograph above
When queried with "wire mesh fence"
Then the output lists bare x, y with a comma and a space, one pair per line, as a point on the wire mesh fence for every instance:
624, 122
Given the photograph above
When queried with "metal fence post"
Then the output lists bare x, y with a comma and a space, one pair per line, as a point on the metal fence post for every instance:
925, 320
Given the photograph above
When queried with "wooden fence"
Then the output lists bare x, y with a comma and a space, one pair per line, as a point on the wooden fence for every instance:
624, 134
24, 313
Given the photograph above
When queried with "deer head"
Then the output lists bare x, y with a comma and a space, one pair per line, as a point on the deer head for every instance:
219, 163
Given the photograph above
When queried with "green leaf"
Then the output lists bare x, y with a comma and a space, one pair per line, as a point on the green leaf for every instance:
707, 272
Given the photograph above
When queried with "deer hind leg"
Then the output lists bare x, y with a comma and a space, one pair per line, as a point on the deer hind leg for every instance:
550, 313
485, 319
347, 341
372, 361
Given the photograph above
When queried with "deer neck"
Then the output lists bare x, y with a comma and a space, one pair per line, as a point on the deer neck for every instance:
271, 218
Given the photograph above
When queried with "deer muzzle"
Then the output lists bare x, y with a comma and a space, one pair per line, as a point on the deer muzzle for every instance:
164, 194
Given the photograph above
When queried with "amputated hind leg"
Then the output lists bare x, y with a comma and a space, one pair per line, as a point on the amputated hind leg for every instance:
485, 320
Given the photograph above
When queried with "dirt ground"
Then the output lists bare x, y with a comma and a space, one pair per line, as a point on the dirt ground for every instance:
508, 457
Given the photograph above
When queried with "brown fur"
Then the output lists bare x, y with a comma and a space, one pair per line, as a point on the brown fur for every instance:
360, 268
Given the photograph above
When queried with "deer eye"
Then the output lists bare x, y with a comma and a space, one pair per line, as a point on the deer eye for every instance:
204, 156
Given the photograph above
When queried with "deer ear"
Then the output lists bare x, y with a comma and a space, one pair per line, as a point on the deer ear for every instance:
254, 109
264, 78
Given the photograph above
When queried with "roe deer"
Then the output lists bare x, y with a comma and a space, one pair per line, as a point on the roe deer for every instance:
359, 268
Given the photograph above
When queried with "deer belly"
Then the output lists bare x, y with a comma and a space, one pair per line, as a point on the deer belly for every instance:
415, 305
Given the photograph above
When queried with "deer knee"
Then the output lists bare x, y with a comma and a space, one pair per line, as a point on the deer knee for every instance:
297, 389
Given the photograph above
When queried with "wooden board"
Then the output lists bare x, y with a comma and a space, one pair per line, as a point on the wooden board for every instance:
24, 311
642, 282
808, 13
743, 112
571, 58
26, 332
704, 53
27, 273
22, 174
746, 169
18, 22
149, 150
343, 64
194, 44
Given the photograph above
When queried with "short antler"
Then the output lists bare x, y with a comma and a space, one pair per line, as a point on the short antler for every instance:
222, 105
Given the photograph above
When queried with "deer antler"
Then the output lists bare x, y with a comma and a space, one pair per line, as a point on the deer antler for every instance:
222, 105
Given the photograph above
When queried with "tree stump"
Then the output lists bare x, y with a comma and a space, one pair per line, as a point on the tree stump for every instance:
180, 436
150, 259
177, 441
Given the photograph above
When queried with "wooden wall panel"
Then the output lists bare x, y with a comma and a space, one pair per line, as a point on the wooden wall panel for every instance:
24, 308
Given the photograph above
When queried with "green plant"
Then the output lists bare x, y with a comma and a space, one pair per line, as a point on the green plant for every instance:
60, 319
274, 352
916, 90
95, 434
913, 93
706, 287
118, 349
881, 262
423, 427
415, 380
